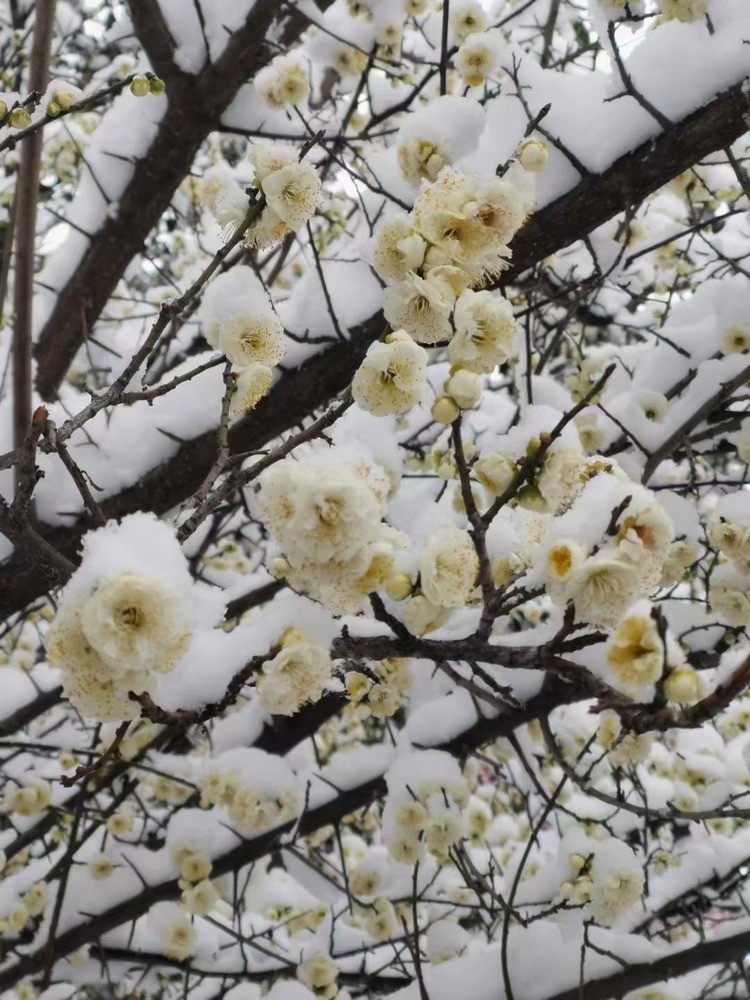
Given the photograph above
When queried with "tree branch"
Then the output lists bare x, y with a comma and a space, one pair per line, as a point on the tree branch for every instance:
298, 393
25, 223
196, 104
485, 730
636, 976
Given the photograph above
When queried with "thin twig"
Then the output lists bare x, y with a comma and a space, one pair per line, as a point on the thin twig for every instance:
444, 48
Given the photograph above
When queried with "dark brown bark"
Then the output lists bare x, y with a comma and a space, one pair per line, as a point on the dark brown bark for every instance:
25, 217
195, 107
552, 695
636, 976
592, 202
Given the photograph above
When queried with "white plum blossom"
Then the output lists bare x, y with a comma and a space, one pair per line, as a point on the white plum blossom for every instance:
296, 675
427, 796
421, 306
326, 513
630, 554
136, 622
618, 882
533, 155
432, 136
293, 193
477, 59
241, 321
284, 81
29, 799
318, 972
266, 158
393, 376
495, 472
252, 384
173, 930
466, 18
485, 332
684, 10
422, 616
448, 567
223, 197
122, 625
397, 248
465, 387
257, 790
318, 510
635, 651
600, 586
249, 339
729, 595
470, 220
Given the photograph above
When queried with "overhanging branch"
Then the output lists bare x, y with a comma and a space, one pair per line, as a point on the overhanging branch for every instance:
196, 104
298, 393
485, 730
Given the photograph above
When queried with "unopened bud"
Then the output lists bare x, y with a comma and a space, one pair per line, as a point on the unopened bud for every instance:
465, 388
140, 86
445, 410
398, 587
534, 155
683, 686
64, 98
20, 118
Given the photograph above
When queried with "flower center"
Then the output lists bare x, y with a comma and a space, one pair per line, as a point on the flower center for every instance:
329, 512
131, 617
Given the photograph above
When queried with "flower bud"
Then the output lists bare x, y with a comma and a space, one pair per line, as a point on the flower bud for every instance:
445, 410
465, 388
534, 155
156, 85
139, 86
64, 98
398, 588
683, 686
20, 118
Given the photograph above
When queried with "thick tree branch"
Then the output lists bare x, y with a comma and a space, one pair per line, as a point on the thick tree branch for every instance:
156, 39
298, 393
485, 730
697, 956
196, 104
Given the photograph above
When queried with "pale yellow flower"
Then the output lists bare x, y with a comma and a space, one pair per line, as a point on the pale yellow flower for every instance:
293, 193
251, 386
136, 622
735, 339
466, 17
476, 60
398, 248
448, 567
392, 376
684, 10
635, 652
318, 972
